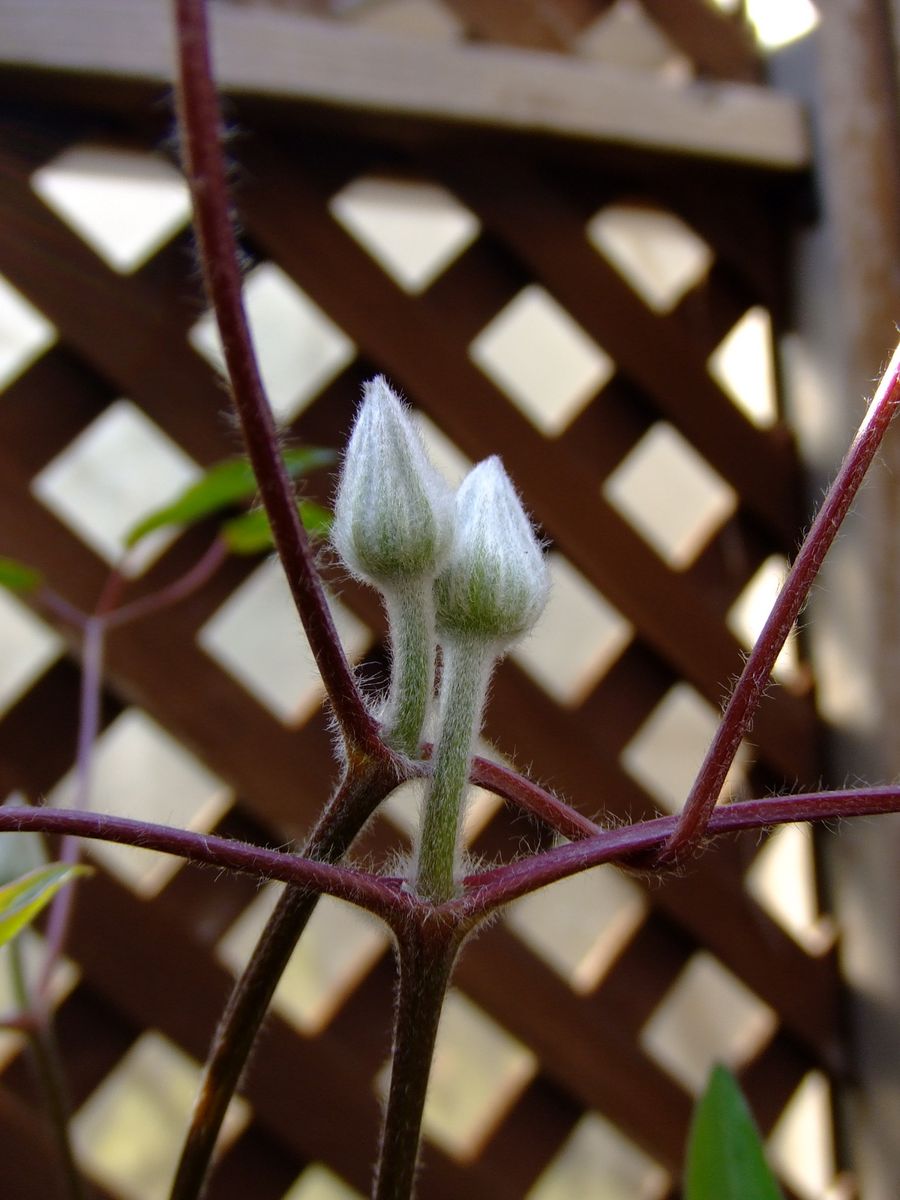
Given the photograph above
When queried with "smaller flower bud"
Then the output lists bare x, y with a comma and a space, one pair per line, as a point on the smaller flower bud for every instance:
393, 512
495, 585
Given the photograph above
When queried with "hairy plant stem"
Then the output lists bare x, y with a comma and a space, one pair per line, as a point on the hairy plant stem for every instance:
754, 678
200, 125
467, 666
531, 798
388, 896
49, 1076
363, 788
410, 610
60, 915
426, 952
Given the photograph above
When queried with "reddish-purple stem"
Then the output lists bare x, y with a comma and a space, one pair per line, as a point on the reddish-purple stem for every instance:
519, 791
751, 685
200, 124
188, 583
382, 896
531, 798
488, 890
60, 914
484, 891
57, 606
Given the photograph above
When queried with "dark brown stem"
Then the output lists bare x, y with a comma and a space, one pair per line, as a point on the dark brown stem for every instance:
200, 125
50, 1078
426, 953
751, 685
338, 826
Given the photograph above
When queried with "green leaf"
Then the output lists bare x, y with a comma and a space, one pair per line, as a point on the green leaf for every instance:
22, 900
725, 1159
223, 485
17, 577
250, 532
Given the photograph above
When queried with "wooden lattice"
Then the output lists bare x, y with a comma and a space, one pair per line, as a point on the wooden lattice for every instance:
592, 1033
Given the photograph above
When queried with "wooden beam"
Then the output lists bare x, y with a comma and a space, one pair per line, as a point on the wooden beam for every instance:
716, 44
284, 56
531, 23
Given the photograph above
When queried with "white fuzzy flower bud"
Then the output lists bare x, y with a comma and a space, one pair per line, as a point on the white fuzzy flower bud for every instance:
393, 513
495, 585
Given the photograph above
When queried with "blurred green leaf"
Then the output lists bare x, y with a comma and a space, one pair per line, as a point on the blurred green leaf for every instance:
25, 898
18, 577
725, 1159
223, 485
250, 533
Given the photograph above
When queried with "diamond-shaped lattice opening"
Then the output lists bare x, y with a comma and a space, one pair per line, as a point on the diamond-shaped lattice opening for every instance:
626, 36
581, 925
300, 349
123, 203
445, 454
707, 1016
744, 367
749, 612
782, 878
659, 256
257, 638
777, 25
318, 1183
578, 638
670, 494
25, 333
599, 1161
31, 948
129, 1131
27, 648
801, 1145
666, 752
542, 359
115, 472
138, 770
479, 1070
340, 945
413, 230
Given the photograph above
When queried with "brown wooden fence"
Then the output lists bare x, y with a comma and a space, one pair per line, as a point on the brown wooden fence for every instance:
541, 327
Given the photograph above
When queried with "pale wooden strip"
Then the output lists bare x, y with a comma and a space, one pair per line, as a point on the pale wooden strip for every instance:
284, 55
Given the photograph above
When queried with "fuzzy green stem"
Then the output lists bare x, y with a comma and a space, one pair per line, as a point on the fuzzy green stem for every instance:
410, 610
467, 668
426, 955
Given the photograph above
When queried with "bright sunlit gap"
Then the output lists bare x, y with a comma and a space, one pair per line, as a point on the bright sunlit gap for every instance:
776, 22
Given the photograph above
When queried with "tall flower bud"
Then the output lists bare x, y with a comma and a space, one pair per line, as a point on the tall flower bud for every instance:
495, 584
393, 513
